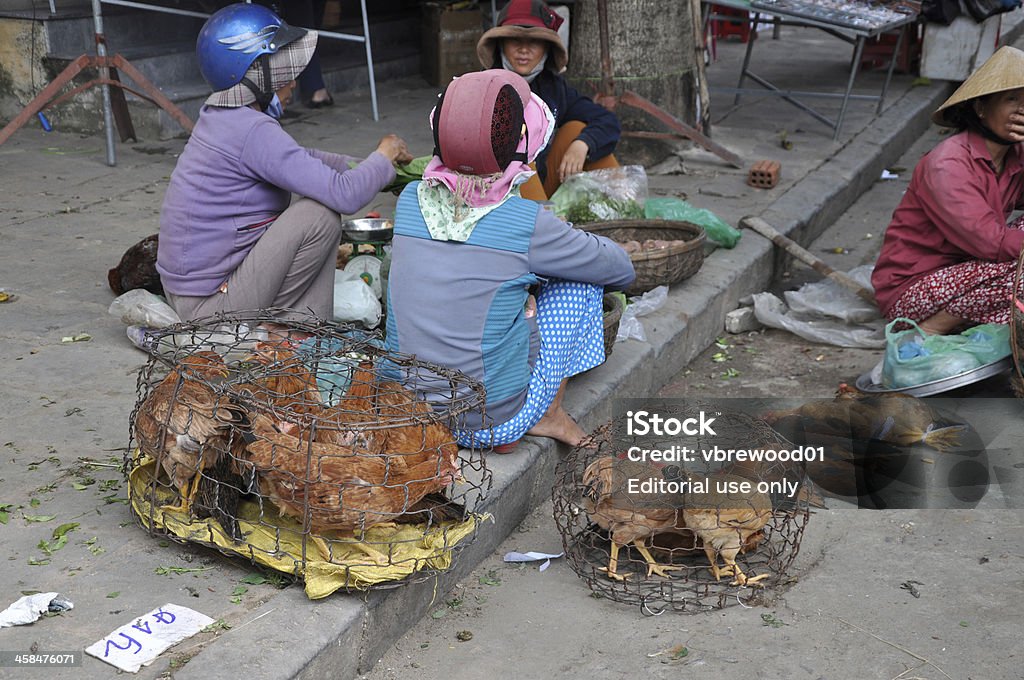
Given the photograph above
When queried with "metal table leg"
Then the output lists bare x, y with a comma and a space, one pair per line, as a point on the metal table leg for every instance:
892, 67
369, 62
858, 50
746, 58
101, 51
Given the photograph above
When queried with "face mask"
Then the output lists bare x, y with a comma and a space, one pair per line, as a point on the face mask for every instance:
274, 109
507, 65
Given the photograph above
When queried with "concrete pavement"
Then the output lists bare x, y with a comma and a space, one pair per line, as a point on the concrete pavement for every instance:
65, 406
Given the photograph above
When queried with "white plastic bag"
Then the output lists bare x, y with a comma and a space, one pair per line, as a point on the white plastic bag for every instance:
827, 298
139, 307
826, 312
630, 326
355, 301
772, 312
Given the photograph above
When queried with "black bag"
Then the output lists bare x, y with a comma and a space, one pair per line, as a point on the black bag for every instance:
940, 11
983, 9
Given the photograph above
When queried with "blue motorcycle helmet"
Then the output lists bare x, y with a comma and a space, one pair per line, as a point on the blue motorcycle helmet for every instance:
234, 38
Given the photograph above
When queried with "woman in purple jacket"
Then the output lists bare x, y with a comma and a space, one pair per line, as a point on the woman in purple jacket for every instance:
526, 42
231, 239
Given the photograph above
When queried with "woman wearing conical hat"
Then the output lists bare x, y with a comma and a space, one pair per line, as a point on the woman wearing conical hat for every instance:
949, 256
526, 42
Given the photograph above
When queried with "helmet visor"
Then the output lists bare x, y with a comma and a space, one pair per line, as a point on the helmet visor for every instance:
287, 34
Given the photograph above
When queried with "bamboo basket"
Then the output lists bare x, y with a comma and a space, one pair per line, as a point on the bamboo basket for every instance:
613, 309
662, 267
1017, 328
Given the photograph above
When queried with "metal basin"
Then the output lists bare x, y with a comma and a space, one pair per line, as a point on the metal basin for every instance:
368, 229
864, 383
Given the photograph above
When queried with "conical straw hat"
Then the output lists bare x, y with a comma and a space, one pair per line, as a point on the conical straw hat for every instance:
1003, 71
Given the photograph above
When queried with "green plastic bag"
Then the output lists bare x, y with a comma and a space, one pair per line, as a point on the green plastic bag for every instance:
913, 357
717, 230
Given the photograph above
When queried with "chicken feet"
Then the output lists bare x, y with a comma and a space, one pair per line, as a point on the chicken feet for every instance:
731, 569
653, 566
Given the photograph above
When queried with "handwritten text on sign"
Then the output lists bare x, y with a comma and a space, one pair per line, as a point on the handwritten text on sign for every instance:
136, 644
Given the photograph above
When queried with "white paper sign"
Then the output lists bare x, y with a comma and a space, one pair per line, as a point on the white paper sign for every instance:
138, 643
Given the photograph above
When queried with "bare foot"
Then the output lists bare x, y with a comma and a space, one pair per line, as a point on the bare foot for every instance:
559, 425
940, 323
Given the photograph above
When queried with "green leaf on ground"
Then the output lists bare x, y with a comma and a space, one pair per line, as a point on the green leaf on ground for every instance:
219, 624
491, 578
254, 579
164, 571
65, 528
38, 518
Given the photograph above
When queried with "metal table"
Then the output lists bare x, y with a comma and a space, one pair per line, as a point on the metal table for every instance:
855, 35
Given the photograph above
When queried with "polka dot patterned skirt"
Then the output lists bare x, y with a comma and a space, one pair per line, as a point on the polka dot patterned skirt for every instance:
570, 318
975, 290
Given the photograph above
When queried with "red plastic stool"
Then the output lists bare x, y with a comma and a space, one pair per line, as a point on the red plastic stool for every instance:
729, 27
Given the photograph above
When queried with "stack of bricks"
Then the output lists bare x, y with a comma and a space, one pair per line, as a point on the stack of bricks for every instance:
764, 174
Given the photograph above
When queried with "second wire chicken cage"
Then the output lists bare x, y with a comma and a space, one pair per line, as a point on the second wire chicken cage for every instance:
688, 538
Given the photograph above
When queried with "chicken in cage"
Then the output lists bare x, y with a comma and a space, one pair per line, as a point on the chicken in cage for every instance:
311, 448
687, 537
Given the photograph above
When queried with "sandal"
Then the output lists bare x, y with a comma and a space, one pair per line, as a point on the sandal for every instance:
506, 448
322, 103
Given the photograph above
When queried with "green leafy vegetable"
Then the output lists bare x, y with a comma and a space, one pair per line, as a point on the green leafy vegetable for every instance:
405, 174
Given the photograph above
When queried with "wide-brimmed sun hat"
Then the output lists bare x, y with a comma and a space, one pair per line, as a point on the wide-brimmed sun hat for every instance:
1003, 71
524, 20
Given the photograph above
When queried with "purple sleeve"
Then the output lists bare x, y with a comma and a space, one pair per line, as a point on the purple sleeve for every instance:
338, 161
271, 154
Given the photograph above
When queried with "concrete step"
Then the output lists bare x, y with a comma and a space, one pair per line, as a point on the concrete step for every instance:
171, 64
152, 122
72, 29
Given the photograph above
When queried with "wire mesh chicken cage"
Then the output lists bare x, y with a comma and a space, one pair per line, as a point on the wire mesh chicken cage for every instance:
687, 536
305, 447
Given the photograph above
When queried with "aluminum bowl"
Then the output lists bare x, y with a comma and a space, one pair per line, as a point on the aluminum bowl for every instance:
368, 229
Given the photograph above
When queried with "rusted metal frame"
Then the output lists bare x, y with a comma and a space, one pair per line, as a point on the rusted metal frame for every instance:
679, 127
48, 95
39, 102
92, 83
119, 106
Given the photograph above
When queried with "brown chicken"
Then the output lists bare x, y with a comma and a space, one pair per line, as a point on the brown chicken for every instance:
186, 427
288, 387
137, 268
629, 519
343, 488
728, 522
892, 418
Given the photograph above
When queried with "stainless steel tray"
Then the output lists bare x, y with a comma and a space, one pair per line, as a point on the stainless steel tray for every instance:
972, 376
367, 229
